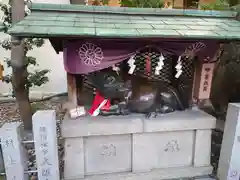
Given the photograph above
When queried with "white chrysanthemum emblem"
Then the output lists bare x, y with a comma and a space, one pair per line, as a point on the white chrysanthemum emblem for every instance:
193, 49
90, 54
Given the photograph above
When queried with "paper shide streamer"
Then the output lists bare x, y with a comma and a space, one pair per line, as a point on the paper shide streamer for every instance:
131, 63
178, 67
160, 64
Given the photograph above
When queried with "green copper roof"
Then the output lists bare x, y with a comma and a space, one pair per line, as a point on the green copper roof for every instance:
51, 20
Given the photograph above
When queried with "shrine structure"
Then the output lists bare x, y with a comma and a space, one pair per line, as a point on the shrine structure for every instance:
135, 79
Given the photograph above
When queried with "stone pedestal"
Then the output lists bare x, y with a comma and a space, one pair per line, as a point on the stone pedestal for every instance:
174, 145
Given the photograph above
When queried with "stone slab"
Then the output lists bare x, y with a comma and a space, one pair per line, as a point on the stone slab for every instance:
93, 126
162, 150
160, 174
107, 154
73, 158
229, 162
2, 168
181, 120
136, 123
14, 154
202, 148
46, 148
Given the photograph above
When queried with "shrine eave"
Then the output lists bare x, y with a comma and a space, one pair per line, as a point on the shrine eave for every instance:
79, 21
1, 27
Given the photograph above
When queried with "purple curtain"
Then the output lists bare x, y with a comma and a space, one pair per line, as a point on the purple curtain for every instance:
89, 55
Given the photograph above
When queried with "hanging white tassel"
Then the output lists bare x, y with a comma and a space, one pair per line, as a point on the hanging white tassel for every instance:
131, 64
160, 64
178, 67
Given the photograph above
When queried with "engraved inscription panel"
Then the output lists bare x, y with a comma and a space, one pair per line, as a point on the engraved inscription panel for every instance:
162, 150
176, 149
172, 146
233, 174
107, 154
108, 150
46, 145
13, 152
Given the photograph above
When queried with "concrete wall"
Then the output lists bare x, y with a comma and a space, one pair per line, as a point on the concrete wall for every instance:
47, 59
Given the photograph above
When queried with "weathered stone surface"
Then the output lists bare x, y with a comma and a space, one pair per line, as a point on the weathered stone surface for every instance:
46, 149
73, 158
92, 126
162, 150
179, 121
13, 151
160, 174
229, 163
107, 154
202, 148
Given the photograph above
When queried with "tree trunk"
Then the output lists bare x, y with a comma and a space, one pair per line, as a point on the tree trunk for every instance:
19, 71
19, 78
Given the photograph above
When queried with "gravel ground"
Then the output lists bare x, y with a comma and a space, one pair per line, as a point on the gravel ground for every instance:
9, 112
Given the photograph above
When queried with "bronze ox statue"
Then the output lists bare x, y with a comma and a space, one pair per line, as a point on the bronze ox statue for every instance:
135, 95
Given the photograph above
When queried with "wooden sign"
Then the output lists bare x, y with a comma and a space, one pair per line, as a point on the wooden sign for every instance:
203, 81
45, 137
13, 152
229, 162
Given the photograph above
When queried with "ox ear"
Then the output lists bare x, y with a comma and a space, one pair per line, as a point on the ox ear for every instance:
110, 79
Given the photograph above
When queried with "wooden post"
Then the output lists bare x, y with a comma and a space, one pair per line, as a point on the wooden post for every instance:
46, 148
19, 71
229, 162
72, 90
13, 151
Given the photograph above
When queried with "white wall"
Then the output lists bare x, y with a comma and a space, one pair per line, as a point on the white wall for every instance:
46, 58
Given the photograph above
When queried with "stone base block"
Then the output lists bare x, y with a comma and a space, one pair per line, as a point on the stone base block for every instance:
176, 145
160, 174
162, 150
107, 154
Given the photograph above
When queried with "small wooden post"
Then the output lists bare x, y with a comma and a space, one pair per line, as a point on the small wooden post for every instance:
45, 137
72, 90
229, 163
13, 151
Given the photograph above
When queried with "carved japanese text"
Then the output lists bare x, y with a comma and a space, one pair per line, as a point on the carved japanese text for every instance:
172, 146
108, 150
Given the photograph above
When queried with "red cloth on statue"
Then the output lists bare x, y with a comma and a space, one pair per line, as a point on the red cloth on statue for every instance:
98, 99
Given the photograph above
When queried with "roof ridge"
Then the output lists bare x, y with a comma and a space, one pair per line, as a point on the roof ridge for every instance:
131, 10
